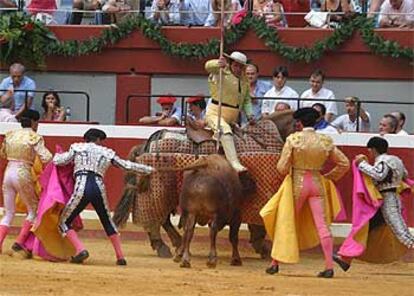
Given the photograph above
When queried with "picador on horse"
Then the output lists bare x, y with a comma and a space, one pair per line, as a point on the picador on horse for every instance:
252, 151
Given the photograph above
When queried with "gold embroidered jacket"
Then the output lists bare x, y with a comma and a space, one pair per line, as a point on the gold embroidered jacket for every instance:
309, 151
23, 145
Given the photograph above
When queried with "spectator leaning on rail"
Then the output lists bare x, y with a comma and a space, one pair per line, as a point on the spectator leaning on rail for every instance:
17, 81
322, 126
169, 114
317, 91
279, 90
388, 124
195, 12
230, 7
258, 88
348, 123
75, 18
197, 112
397, 13
51, 106
401, 121
166, 12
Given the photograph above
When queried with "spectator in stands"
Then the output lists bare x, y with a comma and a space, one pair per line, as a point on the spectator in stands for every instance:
7, 4
258, 88
271, 10
195, 12
295, 6
336, 6
230, 7
115, 10
374, 7
401, 121
17, 81
322, 126
52, 109
75, 18
397, 13
388, 124
43, 10
348, 123
166, 12
317, 91
6, 110
197, 112
279, 90
169, 114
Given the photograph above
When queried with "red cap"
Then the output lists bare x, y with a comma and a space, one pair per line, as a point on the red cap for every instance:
194, 99
166, 100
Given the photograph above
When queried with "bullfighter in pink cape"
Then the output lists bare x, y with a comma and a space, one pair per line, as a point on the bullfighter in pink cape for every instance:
379, 233
57, 187
91, 160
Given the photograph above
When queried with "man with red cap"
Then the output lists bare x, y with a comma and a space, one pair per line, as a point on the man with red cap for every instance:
169, 114
197, 112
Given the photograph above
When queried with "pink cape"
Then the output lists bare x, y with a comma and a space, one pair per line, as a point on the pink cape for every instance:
364, 208
57, 187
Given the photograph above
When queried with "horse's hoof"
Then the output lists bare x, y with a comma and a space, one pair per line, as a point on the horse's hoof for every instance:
164, 252
185, 264
177, 258
212, 263
236, 262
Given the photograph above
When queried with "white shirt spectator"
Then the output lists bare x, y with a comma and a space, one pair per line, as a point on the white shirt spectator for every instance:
169, 16
211, 19
196, 12
403, 15
344, 123
323, 93
268, 106
402, 133
327, 130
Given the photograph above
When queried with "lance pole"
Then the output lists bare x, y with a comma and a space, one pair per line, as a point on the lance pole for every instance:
220, 90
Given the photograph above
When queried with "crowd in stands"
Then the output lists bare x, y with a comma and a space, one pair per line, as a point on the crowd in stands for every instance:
277, 13
17, 93
278, 97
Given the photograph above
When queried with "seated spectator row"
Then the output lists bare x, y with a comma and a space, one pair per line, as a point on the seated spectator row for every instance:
277, 13
278, 96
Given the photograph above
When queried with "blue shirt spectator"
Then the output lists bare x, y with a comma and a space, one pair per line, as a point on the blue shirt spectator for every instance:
17, 81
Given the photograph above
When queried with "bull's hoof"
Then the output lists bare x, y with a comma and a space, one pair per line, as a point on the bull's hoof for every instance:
177, 258
185, 264
212, 262
236, 262
164, 252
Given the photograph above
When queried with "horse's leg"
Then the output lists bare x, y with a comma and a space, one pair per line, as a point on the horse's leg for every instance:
234, 239
212, 256
172, 233
189, 225
157, 244
258, 242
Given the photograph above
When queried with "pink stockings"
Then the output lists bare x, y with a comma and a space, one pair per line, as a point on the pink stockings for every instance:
116, 243
310, 192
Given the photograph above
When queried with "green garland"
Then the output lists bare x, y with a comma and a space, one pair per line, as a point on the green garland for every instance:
28, 41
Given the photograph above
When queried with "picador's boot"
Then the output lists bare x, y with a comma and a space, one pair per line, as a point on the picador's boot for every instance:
81, 253
4, 230
116, 243
227, 141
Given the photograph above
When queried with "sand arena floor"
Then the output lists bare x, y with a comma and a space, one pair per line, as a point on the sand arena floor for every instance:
147, 274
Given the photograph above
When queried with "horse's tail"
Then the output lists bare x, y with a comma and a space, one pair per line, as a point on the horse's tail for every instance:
130, 191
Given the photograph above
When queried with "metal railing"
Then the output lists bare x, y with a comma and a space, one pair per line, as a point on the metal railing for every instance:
75, 92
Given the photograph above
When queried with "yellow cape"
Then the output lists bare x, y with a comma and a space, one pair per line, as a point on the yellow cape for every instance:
289, 233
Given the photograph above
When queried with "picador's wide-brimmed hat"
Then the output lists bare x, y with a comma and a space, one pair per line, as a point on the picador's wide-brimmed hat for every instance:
238, 57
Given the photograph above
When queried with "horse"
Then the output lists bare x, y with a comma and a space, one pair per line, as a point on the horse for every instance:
153, 199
